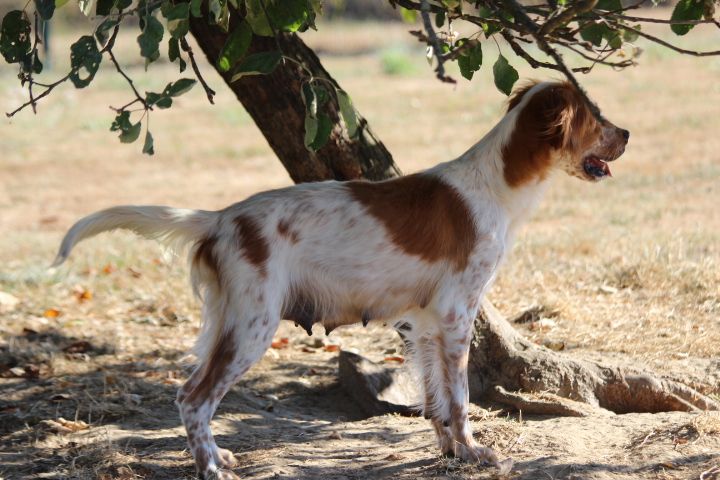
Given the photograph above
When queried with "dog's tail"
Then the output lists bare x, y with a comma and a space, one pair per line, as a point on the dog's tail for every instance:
175, 227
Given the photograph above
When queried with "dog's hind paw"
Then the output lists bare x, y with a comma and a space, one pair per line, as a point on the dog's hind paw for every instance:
225, 458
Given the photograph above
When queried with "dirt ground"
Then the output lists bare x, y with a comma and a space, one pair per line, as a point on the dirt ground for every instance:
627, 272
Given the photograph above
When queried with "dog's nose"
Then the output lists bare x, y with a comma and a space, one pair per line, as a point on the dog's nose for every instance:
625, 134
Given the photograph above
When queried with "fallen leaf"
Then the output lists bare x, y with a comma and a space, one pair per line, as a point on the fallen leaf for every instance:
80, 346
83, 295
108, 269
65, 426
48, 220
280, 344
52, 313
393, 457
134, 273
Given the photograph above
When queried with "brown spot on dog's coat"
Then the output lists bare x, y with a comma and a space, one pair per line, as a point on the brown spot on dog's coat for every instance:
251, 241
205, 255
214, 369
284, 230
544, 125
423, 215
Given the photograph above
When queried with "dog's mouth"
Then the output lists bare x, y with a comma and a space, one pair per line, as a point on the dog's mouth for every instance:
596, 168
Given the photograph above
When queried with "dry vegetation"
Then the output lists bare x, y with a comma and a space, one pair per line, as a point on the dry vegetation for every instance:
628, 271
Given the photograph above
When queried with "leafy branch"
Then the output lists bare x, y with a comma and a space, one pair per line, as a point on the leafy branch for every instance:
594, 31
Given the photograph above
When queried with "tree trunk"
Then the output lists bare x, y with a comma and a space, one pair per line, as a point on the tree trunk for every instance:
275, 104
500, 358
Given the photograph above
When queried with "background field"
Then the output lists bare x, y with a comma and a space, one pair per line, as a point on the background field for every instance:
628, 271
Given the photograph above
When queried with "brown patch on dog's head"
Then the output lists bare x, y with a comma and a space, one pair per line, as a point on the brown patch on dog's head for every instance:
556, 128
251, 242
423, 216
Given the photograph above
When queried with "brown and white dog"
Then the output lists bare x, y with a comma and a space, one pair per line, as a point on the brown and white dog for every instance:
418, 251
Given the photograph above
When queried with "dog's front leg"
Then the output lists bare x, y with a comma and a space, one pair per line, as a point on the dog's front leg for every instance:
454, 348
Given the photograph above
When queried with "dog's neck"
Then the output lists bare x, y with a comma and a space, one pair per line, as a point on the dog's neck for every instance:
481, 171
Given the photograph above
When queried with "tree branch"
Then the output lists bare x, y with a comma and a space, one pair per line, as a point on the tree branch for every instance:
434, 43
583, 6
187, 49
666, 44
108, 48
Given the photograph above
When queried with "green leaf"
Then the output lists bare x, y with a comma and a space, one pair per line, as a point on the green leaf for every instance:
131, 134
630, 36
84, 57
86, 6
148, 147
609, 5
311, 128
310, 100
60, 3
149, 39
45, 8
161, 100
218, 11
408, 16
181, 86
323, 132
122, 4
470, 60
286, 15
322, 95
348, 113
235, 47
686, 10
257, 64
121, 122
15, 36
101, 32
594, 33
178, 19
103, 7
614, 39
440, 19
174, 53
196, 8
505, 75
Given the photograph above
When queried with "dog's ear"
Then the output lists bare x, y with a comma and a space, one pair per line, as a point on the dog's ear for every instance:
550, 118
559, 117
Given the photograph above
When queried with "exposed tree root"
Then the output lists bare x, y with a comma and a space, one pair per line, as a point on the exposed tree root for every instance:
500, 356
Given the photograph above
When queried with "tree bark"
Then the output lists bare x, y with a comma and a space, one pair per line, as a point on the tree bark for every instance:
275, 104
500, 358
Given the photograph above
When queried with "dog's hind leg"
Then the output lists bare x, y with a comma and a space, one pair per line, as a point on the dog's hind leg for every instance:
247, 329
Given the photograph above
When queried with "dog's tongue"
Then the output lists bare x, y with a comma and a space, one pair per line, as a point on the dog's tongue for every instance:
599, 168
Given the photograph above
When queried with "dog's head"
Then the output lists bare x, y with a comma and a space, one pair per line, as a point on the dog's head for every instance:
554, 128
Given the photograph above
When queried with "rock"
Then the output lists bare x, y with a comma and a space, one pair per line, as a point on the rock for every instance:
8, 302
376, 388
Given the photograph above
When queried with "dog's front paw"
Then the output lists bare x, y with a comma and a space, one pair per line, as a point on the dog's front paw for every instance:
476, 454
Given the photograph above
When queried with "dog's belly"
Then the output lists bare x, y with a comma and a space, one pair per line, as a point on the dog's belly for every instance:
348, 299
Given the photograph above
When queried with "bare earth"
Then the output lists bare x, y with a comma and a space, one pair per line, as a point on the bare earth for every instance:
628, 272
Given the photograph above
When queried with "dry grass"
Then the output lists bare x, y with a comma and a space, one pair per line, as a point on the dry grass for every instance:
629, 266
